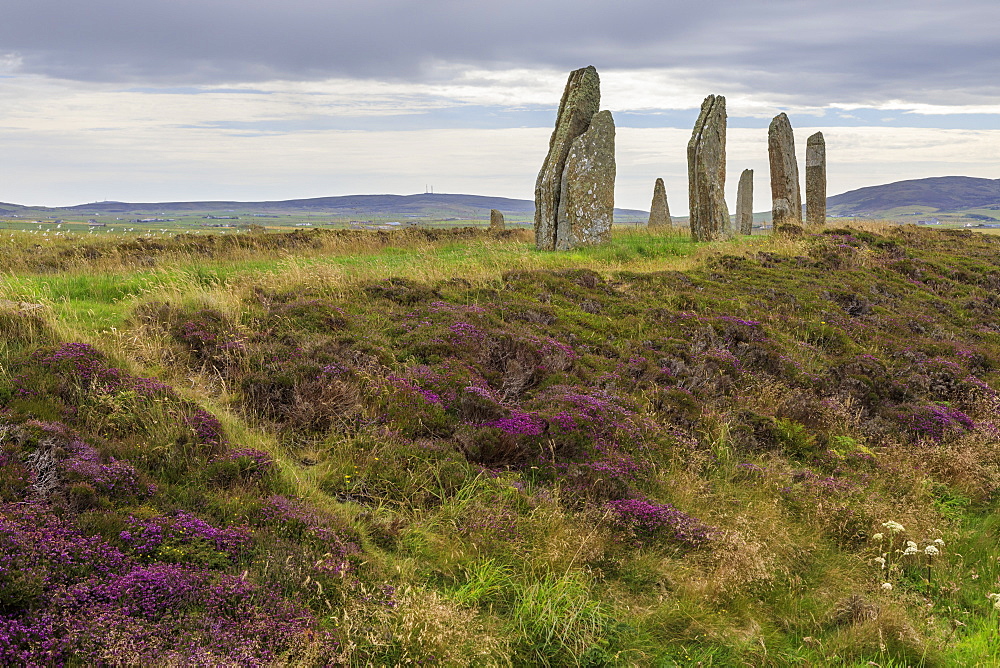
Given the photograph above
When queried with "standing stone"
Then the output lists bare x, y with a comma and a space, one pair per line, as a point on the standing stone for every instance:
580, 101
786, 199
659, 212
744, 203
587, 196
706, 154
816, 180
496, 221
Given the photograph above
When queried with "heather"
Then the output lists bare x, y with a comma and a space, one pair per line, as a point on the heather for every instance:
772, 451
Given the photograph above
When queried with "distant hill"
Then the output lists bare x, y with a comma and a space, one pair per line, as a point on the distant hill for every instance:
431, 204
941, 194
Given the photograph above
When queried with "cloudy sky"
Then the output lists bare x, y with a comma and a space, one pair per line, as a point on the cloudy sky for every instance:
154, 100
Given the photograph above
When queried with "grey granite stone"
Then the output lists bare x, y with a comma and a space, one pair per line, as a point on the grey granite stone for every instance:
587, 198
659, 211
816, 180
786, 199
706, 154
580, 101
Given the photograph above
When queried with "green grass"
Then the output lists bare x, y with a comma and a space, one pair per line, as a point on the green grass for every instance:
96, 301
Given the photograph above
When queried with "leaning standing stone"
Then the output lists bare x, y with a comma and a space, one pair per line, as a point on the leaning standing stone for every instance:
816, 180
587, 198
706, 154
496, 221
659, 212
580, 101
744, 203
786, 199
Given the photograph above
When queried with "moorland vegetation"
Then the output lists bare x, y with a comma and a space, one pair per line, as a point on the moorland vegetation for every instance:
445, 447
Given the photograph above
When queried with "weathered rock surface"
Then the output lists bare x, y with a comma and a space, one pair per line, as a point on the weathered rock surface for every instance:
706, 153
816, 180
587, 197
786, 198
580, 101
744, 203
659, 211
496, 221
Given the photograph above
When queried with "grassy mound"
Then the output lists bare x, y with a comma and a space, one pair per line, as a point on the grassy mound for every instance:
388, 449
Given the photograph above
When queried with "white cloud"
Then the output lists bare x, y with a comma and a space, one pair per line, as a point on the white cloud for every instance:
138, 164
10, 63
70, 142
924, 109
856, 157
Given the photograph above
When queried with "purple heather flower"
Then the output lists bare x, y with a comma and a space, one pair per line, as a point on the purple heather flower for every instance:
648, 520
518, 423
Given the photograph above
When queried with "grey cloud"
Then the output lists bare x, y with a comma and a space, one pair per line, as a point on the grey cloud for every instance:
812, 51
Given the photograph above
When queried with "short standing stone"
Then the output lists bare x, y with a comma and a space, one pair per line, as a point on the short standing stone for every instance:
706, 154
744, 202
580, 101
659, 212
816, 180
587, 198
496, 221
786, 199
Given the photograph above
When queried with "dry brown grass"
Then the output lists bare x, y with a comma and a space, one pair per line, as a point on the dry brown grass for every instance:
421, 627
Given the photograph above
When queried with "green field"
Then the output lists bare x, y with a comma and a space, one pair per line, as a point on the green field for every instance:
156, 220
219, 223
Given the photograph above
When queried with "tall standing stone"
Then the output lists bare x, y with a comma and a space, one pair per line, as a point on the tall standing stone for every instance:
587, 196
496, 221
659, 212
786, 199
816, 180
744, 203
580, 101
706, 154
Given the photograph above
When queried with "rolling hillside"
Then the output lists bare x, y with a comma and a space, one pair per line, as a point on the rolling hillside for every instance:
941, 194
429, 204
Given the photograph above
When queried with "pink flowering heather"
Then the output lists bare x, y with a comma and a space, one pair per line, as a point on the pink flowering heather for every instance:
160, 613
107, 475
463, 332
405, 385
296, 519
67, 598
88, 367
518, 423
39, 552
145, 537
648, 520
936, 421
207, 428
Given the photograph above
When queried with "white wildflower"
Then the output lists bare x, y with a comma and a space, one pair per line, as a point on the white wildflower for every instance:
931, 551
880, 561
939, 542
878, 536
910, 549
886, 586
911, 543
894, 527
